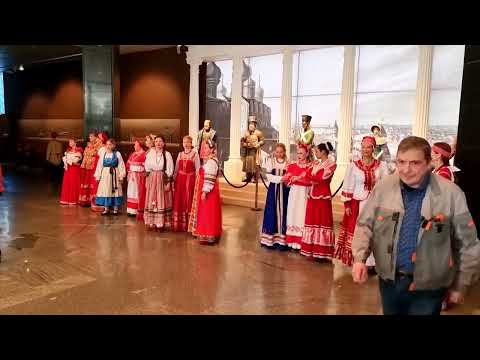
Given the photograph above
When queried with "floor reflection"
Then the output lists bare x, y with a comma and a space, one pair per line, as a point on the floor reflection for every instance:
89, 264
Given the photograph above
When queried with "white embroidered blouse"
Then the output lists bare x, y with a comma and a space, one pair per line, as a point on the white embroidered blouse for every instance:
275, 170
122, 171
155, 162
210, 176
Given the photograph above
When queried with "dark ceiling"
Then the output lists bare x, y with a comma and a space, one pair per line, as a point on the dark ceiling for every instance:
16, 55
12, 56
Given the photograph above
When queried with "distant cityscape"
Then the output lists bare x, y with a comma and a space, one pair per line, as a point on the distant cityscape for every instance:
395, 134
264, 102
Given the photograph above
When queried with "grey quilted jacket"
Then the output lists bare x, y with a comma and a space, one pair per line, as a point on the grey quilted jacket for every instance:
448, 249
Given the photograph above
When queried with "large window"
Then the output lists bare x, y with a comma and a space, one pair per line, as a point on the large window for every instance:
385, 92
447, 71
262, 89
386, 79
2, 95
225, 84
316, 89
218, 106
266, 77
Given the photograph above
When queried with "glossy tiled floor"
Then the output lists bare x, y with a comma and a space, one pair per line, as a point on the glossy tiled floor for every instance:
72, 261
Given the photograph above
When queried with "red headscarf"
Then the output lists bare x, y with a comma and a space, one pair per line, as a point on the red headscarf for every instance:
303, 146
443, 149
369, 140
103, 136
139, 143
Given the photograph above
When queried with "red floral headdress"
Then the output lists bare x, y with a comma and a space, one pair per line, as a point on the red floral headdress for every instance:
369, 140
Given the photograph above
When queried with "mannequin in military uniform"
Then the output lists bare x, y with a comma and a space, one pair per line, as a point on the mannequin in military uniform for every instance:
207, 133
251, 143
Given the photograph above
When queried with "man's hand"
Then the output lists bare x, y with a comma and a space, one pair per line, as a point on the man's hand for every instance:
456, 297
348, 208
204, 196
359, 272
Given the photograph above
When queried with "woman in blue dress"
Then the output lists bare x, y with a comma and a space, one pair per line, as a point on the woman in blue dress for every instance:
275, 213
110, 173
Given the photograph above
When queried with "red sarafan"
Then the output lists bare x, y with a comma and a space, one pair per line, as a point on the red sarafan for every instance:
207, 210
136, 181
71, 178
87, 170
445, 172
318, 238
188, 165
297, 201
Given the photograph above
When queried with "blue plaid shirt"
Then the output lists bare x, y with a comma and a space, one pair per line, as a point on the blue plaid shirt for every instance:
412, 220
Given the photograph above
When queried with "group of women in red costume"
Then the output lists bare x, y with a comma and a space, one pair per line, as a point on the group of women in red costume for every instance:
182, 197
298, 210
79, 186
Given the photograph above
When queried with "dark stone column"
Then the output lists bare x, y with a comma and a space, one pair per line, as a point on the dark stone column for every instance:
101, 83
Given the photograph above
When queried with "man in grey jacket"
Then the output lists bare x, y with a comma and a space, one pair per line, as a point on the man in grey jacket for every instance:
422, 236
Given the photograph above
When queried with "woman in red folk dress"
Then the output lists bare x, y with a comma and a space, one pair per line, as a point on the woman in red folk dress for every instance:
149, 144
87, 169
318, 239
360, 179
186, 170
441, 153
207, 222
136, 179
102, 141
297, 197
71, 177
158, 197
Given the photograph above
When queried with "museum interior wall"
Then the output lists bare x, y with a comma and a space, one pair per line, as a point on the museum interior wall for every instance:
154, 94
42, 99
153, 99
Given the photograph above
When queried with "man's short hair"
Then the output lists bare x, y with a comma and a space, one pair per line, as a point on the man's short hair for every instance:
416, 143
